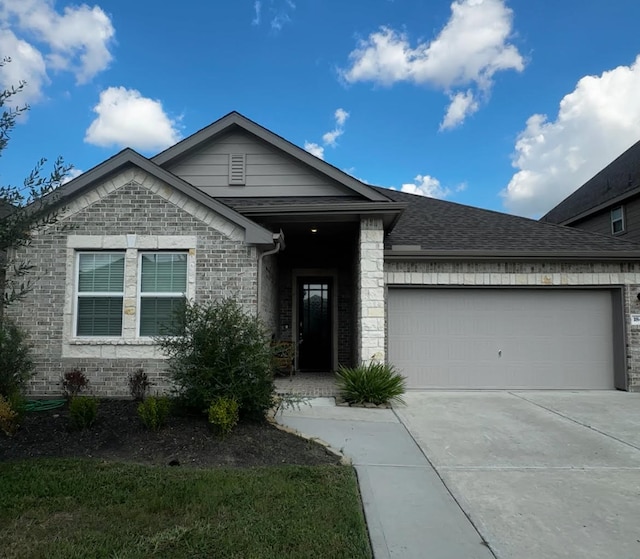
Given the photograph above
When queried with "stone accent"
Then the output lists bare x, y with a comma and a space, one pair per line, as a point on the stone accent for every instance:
534, 274
131, 211
371, 292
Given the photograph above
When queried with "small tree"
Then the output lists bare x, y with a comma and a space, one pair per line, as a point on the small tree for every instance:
22, 209
222, 352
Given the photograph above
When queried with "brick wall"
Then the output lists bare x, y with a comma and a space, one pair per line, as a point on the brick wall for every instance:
132, 203
533, 274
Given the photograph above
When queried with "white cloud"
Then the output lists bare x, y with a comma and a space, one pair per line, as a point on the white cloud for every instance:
596, 122
72, 174
462, 105
27, 65
314, 149
471, 48
126, 118
425, 185
329, 138
341, 116
257, 6
76, 40
275, 12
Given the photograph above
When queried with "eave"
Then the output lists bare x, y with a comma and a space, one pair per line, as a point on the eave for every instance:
520, 256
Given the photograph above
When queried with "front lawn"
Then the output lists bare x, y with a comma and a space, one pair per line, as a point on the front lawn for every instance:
78, 508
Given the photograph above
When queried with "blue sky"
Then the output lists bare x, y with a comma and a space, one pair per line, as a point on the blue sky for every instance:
502, 104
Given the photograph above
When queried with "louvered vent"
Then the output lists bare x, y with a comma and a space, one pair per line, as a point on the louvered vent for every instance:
237, 169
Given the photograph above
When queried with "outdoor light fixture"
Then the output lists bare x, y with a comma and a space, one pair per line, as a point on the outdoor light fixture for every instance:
314, 230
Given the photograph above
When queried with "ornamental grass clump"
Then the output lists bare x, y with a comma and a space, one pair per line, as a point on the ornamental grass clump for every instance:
373, 383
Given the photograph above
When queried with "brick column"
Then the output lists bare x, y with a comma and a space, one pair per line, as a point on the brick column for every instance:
371, 307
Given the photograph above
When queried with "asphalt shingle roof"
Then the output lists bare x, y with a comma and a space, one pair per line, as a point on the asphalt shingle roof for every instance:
446, 226
620, 176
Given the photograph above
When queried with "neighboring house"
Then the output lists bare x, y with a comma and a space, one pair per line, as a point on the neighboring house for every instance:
454, 296
608, 203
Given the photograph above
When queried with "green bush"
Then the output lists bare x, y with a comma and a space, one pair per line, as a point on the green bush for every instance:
223, 415
222, 352
9, 421
375, 383
154, 411
83, 411
16, 366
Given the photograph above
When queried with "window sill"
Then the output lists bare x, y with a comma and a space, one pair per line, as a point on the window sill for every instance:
113, 341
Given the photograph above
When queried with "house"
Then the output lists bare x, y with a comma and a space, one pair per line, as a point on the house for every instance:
608, 203
453, 296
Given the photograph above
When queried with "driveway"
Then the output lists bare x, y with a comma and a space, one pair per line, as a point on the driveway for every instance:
540, 474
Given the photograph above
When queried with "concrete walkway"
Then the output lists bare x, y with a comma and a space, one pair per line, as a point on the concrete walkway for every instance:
409, 511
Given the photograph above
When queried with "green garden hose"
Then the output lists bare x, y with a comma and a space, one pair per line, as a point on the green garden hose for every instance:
43, 405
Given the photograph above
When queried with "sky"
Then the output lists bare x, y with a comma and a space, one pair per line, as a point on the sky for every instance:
508, 105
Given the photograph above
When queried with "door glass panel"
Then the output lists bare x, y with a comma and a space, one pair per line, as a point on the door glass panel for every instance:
315, 325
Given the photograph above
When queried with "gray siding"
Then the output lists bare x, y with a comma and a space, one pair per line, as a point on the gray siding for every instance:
268, 171
601, 222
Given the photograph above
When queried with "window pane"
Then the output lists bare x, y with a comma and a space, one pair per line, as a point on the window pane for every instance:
164, 273
99, 316
101, 272
158, 315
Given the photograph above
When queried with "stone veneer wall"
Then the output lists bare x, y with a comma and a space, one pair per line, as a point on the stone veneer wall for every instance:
371, 292
132, 203
533, 274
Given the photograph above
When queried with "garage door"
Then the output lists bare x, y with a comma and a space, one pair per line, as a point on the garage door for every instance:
502, 338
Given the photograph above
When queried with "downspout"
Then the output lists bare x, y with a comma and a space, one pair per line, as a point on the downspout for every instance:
278, 239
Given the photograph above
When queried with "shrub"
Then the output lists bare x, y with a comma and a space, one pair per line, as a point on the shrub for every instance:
73, 382
83, 411
375, 383
16, 366
8, 417
154, 411
222, 352
139, 384
223, 414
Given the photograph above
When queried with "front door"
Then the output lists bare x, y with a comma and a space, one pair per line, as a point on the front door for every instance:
314, 323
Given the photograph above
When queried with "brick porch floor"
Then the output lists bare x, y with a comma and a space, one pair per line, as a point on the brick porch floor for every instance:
307, 384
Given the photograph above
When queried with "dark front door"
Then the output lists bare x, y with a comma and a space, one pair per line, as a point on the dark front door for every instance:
314, 328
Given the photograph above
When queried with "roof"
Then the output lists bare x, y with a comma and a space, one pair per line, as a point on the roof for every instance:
616, 182
440, 229
127, 158
235, 120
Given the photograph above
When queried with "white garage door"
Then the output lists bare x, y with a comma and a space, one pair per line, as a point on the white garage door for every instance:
502, 338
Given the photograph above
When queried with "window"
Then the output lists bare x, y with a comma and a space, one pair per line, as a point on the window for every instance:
100, 291
163, 286
617, 220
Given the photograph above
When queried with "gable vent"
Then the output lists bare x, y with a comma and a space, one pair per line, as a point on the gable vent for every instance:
237, 168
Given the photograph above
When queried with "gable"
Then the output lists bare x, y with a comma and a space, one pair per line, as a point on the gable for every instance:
268, 172
612, 185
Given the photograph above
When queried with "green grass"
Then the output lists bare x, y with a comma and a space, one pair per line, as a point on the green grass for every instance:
88, 509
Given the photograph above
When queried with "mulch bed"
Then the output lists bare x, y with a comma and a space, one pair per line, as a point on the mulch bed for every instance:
118, 435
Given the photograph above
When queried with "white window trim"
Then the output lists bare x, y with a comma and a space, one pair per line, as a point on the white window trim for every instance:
129, 345
620, 219
78, 295
167, 294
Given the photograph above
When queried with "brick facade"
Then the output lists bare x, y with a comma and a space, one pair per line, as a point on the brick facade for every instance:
533, 274
133, 205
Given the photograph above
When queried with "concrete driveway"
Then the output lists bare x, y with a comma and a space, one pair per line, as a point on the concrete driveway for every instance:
540, 474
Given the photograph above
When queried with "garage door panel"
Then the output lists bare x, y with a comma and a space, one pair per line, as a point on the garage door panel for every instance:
502, 338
